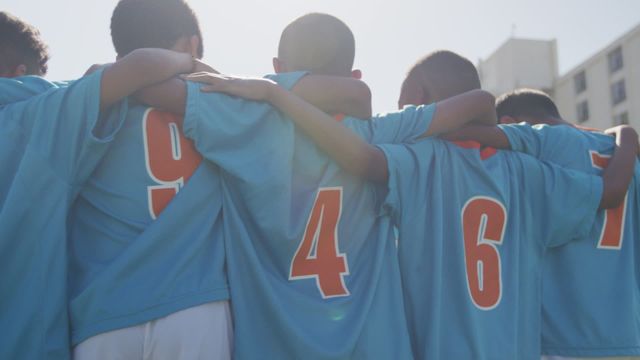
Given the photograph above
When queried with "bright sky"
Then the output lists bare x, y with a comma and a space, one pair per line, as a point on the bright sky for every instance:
241, 36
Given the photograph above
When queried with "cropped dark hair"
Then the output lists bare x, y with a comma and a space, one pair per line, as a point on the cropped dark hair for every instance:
20, 44
526, 102
447, 73
139, 24
319, 43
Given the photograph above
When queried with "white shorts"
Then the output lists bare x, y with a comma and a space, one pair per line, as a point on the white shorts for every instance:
200, 332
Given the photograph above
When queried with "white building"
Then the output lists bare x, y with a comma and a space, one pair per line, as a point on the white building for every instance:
601, 92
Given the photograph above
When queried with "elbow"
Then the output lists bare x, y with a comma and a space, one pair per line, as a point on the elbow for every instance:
360, 101
373, 167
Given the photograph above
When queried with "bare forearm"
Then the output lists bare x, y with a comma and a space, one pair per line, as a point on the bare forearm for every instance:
170, 95
486, 135
336, 95
350, 151
141, 68
620, 169
476, 106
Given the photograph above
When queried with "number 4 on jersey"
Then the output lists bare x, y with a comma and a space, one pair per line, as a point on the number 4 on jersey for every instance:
613, 228
318, 255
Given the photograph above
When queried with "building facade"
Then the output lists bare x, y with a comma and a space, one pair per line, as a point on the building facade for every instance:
601, 92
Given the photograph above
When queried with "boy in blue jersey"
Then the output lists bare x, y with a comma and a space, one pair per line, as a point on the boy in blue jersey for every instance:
592, 326
146, 258
51, 140
580, 318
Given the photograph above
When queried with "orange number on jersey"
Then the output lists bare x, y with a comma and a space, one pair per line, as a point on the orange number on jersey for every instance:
613, 228
483, 223
170, 157
318, 255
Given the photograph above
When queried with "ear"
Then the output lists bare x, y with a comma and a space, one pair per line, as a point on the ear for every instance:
507, 120
194, 45
411, 96
279, 66
356, 74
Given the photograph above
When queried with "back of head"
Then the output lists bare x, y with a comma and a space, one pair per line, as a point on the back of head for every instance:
440, 75
319, 43
21, 45
139, 24
533, 105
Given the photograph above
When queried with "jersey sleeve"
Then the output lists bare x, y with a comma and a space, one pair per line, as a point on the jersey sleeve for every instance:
63, 127
22, 88
229, 131
524, 138
214, 120
410, 168
404, 126
566, 203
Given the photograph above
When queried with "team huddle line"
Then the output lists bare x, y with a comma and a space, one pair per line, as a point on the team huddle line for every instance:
158, 209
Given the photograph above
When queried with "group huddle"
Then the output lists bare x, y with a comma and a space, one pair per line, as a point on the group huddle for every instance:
156, 209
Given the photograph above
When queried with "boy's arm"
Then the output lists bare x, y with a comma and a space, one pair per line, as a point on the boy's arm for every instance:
349, 150
331, 94
476, 106
141, 68
491, 136
336, 95
619, 171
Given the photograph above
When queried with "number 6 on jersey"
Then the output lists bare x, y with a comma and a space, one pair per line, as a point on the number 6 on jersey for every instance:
318, 255
483, 224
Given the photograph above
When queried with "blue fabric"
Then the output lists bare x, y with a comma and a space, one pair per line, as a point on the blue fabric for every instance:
49, 145
431, 185
591, 301
22, 88
146, 231
272, 176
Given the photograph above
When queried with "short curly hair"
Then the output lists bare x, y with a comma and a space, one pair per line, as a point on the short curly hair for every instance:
20, 44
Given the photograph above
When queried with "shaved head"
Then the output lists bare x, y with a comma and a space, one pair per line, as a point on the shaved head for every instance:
319, 43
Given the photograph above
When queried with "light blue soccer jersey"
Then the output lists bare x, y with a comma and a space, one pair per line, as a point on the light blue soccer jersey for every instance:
146, 231
591, 303
49, 145
312, 266
474, 225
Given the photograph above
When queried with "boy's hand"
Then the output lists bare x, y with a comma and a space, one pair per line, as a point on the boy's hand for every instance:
625, 132
251, 89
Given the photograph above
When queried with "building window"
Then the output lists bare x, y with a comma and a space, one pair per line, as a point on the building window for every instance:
580, 82
621, 119
583, 111
618, 92
615, 60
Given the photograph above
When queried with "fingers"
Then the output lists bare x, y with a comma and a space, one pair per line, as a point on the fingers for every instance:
200, 76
